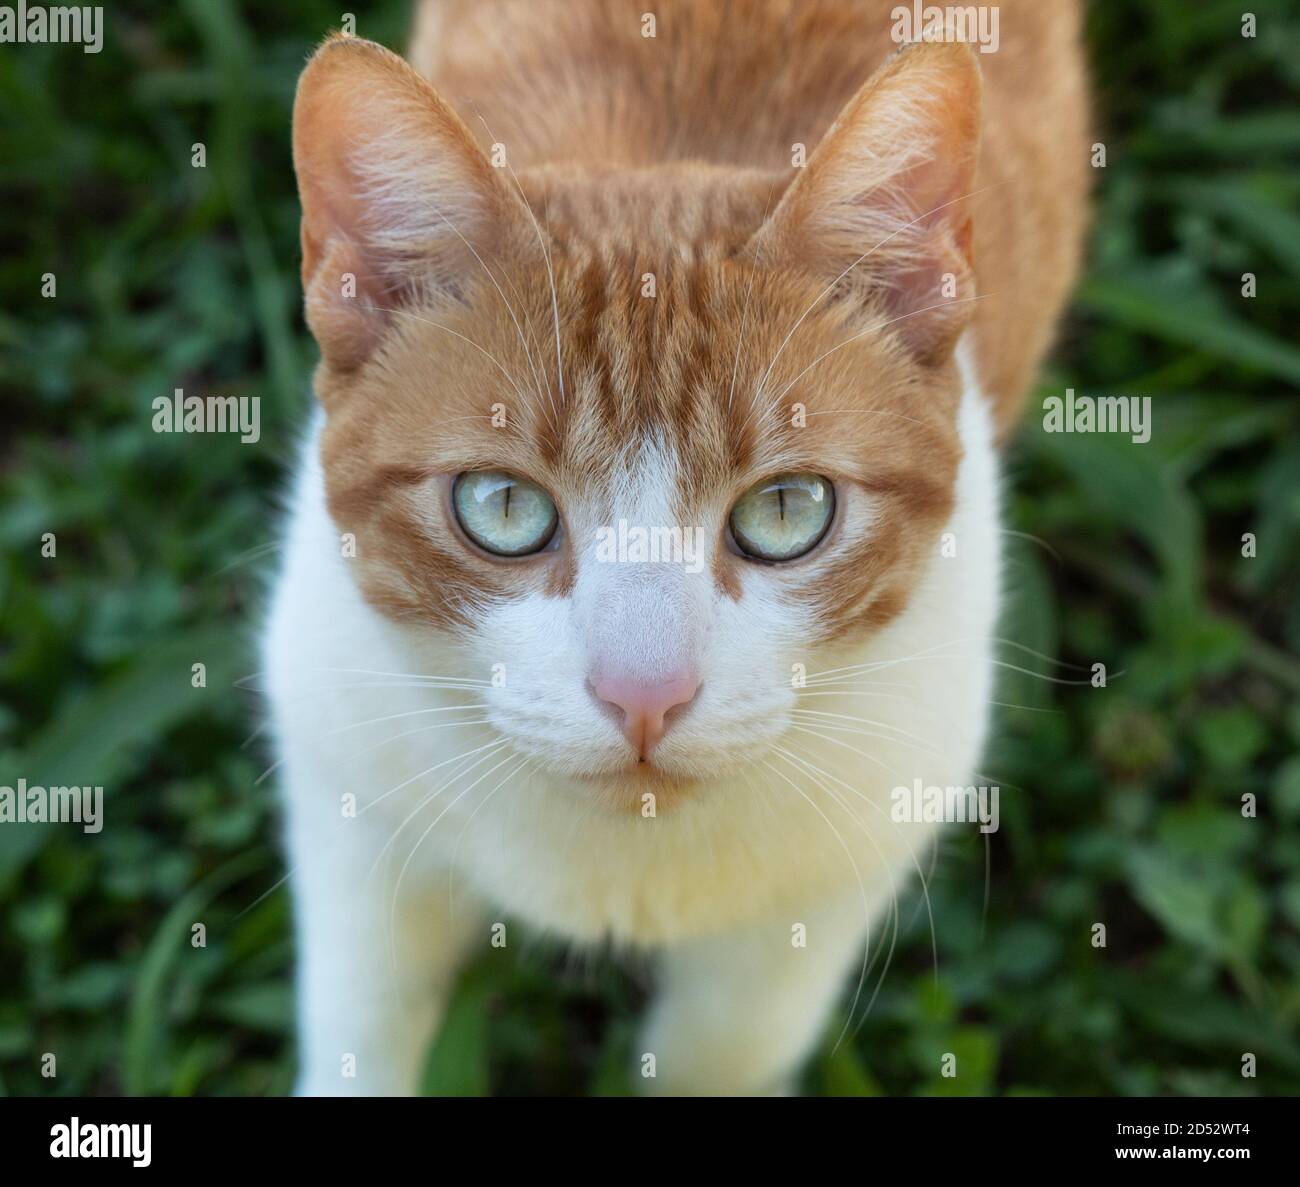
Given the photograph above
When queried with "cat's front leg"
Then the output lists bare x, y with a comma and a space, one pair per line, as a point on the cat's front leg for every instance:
737, 1014
375, 963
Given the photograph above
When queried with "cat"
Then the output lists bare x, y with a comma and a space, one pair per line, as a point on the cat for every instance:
592, 284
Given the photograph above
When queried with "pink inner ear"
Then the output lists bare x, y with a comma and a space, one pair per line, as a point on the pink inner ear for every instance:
394, 192
929, 301
345, 306
884, 196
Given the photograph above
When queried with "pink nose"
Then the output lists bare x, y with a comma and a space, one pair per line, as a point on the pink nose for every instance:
645, 705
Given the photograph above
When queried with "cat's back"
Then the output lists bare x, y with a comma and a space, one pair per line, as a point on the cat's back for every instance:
622, 82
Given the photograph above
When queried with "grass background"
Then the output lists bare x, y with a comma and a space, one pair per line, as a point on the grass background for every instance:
1131, 815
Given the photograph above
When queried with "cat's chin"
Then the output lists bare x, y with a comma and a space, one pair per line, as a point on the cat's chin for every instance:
641, 788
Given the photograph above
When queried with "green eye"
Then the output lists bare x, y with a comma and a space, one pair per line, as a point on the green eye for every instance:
503, 514
784, 517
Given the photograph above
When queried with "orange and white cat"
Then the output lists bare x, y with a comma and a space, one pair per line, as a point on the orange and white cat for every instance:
647, 535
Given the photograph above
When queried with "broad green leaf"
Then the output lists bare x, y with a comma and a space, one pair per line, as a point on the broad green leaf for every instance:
1152, 303
100, 739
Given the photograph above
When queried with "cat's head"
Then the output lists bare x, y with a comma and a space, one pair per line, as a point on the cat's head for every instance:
637, 443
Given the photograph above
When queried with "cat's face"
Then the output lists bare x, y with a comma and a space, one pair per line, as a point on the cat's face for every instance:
642, 458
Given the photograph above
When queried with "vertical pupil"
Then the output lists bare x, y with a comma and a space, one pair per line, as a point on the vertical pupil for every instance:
506, 513
780, 501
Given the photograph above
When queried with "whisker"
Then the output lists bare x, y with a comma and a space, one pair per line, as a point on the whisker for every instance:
412, 713
407, 675
871, 330
294, 869
1050, 679
419, 729
1036, 540
555, 304
456, 334
911, 737
850, 680
490, 746
987, 779
257, 733
810, 768
455, 853
858, 692
874, 665
866, 906
924, 879
744, 317
431, 796
509, 309
397, 888
275, 766
845, 729
830, 287
1026, 708
249, 554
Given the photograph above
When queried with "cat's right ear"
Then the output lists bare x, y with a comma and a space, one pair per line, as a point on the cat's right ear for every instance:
881, 208
396, 195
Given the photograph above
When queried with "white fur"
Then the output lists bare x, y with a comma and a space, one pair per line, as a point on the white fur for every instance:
390, 899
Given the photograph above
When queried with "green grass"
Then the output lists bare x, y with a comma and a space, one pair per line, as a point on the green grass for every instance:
1120, 806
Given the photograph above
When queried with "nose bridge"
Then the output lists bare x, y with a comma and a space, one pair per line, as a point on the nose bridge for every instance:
642, 600
644, 622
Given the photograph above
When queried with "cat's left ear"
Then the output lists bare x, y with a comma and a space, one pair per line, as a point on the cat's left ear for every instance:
397, 198
880, 209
